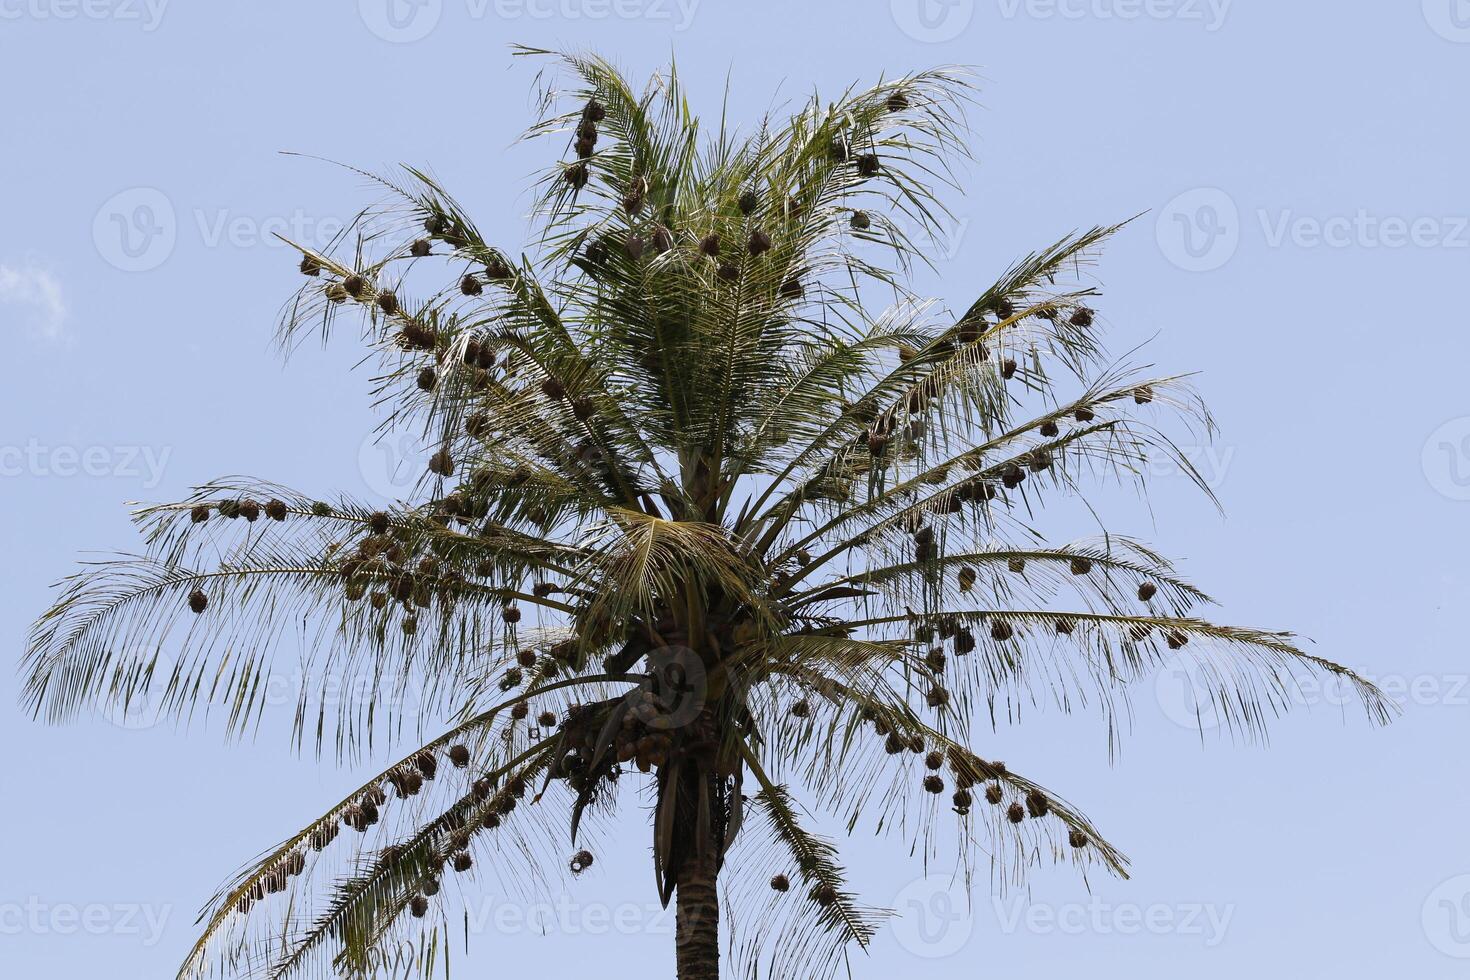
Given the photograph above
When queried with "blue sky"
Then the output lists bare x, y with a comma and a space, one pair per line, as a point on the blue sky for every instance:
1301, 166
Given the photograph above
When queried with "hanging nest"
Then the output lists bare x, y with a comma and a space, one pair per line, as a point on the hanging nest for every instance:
966, 578
937, 697
1176, 639
824, 895
354, 286
275, 509
934, 761
420, 248
1015, 813
994, 794
584, 146
388, 302
1139, 632
580, 862
1049, 430
709, 245
933, 784
249, 510
410, 625
1147, 590
594, 111
860, 221
310, 266
471, 286
1142, 396
792, 288
634, 246
1082, 317
1065, 626
459, 756
576, 175
728, 271
427, 379
897, 102
838, 150
1077, 839
553, 389
198, 601
935, 660
1012, 476
1008, 368
199, 513
758, 244
1000, 631
1084, 414
322, 836
916, 744
801, 709
748, 202
894, 743
1004, 309
520, 710
868, 165
962, 801
378, 522
415, 336
964, 641
1038, 461
1081, 566
526, 658
426, 764
1017, 565
781, 883
546, 719
1037, 804
461, 861
663, 239
511, 613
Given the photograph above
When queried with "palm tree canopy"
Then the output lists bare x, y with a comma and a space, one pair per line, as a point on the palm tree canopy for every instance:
713, 497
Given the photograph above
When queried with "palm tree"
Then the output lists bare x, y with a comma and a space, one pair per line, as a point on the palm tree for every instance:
696, 520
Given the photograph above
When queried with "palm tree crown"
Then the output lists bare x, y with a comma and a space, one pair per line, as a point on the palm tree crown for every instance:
697, 517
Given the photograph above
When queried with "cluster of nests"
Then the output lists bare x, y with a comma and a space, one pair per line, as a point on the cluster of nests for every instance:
381, 559
251, 511
559, 656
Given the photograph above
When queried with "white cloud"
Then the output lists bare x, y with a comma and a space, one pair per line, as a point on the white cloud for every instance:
38, 294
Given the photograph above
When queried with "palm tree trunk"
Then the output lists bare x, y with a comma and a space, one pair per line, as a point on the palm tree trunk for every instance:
697, 928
